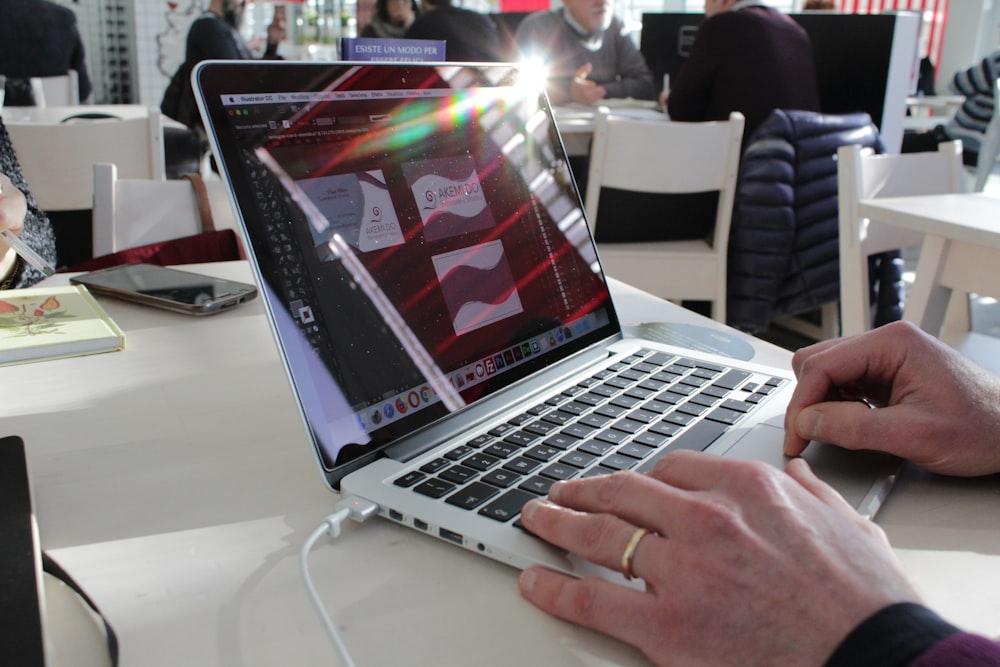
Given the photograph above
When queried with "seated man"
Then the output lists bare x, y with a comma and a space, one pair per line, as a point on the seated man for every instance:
40, 39
969, 123
746, 57
468, 36
589, 56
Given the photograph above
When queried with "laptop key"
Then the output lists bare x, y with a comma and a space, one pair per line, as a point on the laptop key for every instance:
434, 488
725, 416
696, 438
480, 440
731, 379
502, 450
618, 462
522, 465
409, 479
561, 441
501, 478
577, 459
481, 462
435, 465
459, 452
597, 471
596, 447
507, 506
472, 496
458, 474
542, 453
559, 471
537, 485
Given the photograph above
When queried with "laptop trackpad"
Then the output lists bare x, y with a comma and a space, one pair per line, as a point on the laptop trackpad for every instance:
864, 478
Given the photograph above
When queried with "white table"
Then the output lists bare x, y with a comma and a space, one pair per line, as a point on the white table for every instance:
174, 481
961, 248
576, 121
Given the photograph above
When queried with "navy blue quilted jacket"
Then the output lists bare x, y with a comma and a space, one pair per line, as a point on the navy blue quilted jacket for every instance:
783, 247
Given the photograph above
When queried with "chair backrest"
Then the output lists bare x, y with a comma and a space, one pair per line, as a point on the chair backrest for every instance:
864, 175
62, 90
989, 149
132, 212
664, 157
58, 158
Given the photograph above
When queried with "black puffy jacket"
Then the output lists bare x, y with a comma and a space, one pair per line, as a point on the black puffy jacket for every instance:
783, 246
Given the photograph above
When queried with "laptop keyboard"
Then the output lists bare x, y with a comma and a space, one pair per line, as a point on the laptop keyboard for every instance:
624, 417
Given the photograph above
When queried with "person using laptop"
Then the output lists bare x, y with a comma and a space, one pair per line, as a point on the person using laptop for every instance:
746, 564
589, 55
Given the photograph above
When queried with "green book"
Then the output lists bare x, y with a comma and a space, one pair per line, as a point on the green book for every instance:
40, 323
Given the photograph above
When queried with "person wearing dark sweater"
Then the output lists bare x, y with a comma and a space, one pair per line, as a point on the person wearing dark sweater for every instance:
746, 564
215, 34
746, 57
20, 214
588, 54
39, 38
468, 36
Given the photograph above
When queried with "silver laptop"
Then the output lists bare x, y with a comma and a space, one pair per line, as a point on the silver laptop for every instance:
440, 307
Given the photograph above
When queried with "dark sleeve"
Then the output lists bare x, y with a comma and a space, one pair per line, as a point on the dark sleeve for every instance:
78, 63
893, 637
691, 89
635, 78
962, 649
37, 232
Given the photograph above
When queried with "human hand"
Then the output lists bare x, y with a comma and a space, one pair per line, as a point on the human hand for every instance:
941, 411
276, 30
584, 91
747, 565
663, 97
13, 206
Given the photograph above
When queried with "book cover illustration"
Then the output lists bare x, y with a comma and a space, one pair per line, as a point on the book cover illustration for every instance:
52, 322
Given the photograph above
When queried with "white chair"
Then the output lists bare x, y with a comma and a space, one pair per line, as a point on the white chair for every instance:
63, 90
658, 156
989, 149
58, 158
134, 212
864, 175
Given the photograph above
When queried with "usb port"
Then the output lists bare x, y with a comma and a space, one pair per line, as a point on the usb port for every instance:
420, 525
450, 536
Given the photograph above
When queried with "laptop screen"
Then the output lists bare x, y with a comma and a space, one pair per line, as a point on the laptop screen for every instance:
416, 233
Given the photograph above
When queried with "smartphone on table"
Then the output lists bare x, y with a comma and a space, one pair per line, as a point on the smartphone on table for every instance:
169, 288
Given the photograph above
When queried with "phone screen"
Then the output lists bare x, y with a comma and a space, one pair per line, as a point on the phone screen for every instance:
168, 287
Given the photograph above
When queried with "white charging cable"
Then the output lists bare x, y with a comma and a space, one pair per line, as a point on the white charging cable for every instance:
351, 507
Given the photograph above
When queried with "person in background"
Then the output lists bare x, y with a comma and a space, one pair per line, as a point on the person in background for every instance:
469, 36
819, 5
39, 38
978, 85
745, 564
588, 53
392, 19
20, 215
746, 57
216, 34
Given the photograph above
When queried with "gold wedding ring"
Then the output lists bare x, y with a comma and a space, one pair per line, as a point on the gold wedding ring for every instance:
629, 552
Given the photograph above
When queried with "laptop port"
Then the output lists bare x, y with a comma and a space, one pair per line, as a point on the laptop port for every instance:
450, 535
395, 516
420, 525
